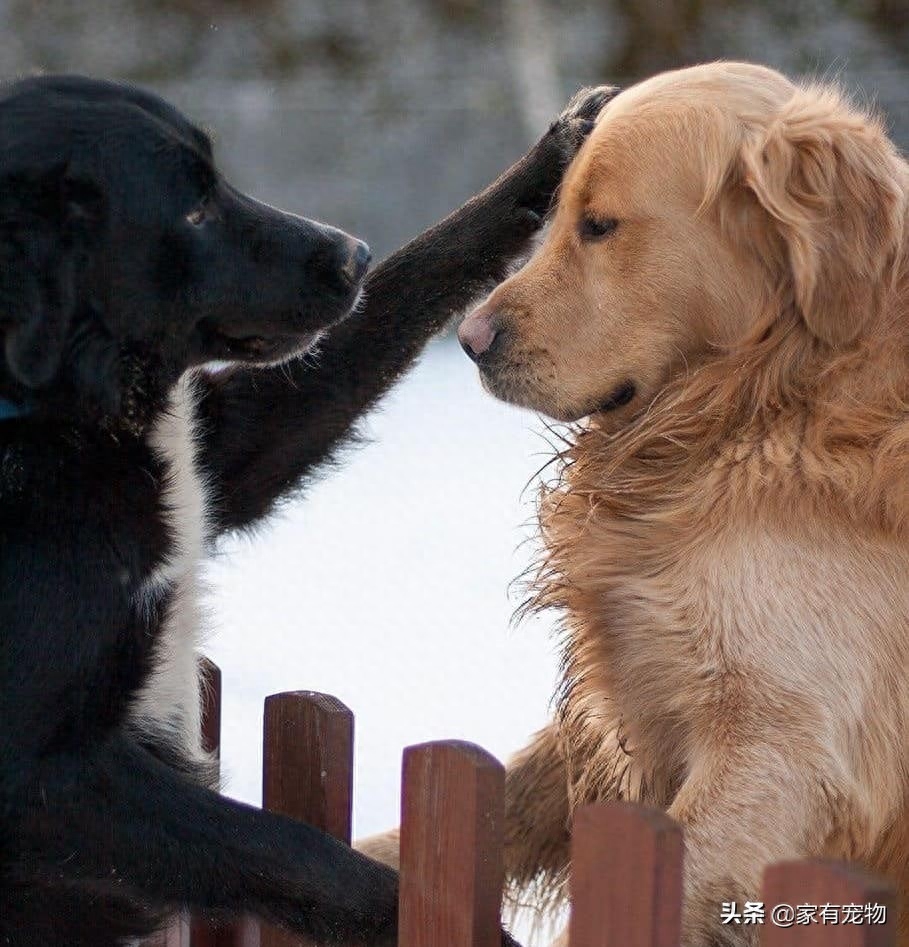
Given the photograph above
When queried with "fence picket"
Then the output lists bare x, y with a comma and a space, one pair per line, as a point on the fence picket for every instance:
626, 877
307, 770
451, 846
816, 883
207, 933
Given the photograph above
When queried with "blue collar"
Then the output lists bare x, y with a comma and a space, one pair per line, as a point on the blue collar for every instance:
10, 410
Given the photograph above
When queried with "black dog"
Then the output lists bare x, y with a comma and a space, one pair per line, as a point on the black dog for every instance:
125, 260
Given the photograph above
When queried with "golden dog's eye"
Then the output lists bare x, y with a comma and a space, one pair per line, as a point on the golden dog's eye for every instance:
594, 228
200, 213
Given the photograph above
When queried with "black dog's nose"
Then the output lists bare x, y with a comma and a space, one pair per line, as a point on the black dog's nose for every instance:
357, 261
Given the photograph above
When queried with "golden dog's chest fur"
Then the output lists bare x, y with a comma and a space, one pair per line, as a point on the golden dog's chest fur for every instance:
693, 606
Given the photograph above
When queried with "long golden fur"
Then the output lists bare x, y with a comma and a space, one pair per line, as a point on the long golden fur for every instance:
729, 548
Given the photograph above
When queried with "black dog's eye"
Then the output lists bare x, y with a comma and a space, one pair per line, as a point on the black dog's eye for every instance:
201, 212
594, 228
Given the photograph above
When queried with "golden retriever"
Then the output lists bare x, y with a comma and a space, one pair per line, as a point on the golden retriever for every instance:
723, 295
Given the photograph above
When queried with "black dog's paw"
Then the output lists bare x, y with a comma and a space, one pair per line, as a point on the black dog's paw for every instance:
586, 104
546, 163
579, 116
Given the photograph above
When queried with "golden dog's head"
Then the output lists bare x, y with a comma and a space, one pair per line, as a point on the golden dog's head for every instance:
708, 205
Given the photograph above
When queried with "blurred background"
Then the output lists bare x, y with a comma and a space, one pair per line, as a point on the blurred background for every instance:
388, 584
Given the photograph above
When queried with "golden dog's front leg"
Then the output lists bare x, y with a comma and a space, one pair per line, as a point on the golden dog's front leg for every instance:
744, 805
537, 815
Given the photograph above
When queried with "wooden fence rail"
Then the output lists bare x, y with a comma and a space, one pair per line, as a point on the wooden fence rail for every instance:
626, 879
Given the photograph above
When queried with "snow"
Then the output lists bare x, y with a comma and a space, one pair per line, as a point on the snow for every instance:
387, 585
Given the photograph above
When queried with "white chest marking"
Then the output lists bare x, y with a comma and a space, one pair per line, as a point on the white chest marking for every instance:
168, 706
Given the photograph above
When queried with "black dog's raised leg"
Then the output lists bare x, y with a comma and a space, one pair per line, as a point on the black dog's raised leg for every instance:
119, 824
265, 430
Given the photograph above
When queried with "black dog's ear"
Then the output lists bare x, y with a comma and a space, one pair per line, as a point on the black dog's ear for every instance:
47, 223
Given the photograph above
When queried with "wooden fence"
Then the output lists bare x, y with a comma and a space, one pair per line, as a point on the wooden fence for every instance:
626, 881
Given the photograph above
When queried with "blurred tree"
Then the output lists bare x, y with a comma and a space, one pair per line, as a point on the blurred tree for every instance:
891, 20
659, 33
891, 14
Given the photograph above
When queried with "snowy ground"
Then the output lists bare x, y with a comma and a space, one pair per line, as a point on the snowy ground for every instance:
387, 586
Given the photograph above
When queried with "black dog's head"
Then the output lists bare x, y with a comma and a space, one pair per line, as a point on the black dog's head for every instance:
125, 257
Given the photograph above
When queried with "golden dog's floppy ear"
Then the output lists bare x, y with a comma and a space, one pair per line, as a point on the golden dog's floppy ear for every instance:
834, 187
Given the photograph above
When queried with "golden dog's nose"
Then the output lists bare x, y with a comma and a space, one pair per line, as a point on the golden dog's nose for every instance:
477, 333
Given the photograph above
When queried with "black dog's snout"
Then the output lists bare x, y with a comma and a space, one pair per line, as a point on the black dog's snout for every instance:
334, 261
357, 263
